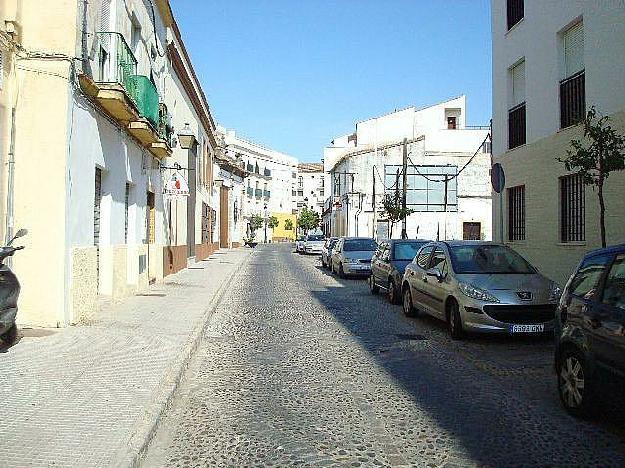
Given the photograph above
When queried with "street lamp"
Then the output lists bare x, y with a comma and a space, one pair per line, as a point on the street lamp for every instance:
186, 137
266, 214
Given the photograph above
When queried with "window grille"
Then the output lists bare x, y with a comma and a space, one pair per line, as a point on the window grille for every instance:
516, 213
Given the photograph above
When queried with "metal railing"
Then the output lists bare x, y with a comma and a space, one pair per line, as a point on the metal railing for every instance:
116, 62
258, 193
572, 99
145, 96
267, 193
250, 192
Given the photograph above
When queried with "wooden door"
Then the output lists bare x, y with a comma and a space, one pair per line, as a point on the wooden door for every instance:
224, 221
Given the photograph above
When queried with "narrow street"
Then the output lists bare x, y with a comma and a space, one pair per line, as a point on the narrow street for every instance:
300, 368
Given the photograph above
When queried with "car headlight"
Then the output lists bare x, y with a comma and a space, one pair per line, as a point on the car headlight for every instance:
555, 293
476, 293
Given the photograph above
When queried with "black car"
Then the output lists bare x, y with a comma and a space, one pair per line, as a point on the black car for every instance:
590, 330
388, 265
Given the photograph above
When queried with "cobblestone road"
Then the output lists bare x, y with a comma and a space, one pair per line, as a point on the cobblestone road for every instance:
299, 368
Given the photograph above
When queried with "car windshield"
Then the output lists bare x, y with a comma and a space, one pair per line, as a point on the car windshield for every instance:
488, 259
406, 250
315, 238
359, 245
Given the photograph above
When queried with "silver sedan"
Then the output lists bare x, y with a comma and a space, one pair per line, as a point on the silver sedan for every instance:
481, 287
351, 256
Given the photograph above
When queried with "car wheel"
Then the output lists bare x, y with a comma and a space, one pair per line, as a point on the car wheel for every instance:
454, 320
393, 294
374, 288
407, 307
574, 384
9, 336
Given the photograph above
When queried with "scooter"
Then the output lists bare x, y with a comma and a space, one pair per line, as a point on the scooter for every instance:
9, 292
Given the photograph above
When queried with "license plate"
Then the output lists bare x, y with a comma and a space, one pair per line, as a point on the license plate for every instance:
527, 328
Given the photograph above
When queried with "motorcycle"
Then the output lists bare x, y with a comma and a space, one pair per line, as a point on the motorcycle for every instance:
9, 292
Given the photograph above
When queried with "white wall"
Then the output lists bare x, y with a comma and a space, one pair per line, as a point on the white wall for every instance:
537, 39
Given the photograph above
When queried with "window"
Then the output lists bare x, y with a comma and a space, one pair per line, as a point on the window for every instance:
572, 87
406, 250
423, 256
471, 231
614, 291
257, 169
300, 182
206, 222
516, 213
451, 123
572, 209
427, 190
584, 283
438, 260
515, 12
516, 114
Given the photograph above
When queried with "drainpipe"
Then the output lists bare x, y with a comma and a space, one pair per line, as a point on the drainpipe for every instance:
86, 66
10, 184
360, 195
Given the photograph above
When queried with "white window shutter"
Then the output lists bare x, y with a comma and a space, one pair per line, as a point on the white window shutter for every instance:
574, 50
518, 84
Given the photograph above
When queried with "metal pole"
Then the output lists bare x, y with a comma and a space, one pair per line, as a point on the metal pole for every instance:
404, 234
373, 202
445, 205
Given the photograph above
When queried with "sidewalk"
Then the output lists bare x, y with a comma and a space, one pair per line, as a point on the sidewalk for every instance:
91, 396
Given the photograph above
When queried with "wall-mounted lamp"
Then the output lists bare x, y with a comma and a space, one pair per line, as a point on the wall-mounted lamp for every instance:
186, 137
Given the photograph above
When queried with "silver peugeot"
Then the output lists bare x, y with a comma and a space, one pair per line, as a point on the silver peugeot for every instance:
351, 256
480, 287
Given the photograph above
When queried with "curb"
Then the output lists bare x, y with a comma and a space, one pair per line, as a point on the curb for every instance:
132, 454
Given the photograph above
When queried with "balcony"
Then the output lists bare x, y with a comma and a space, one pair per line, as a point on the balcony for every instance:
250, 192
572, 99
258, 193
267, 193
516, 126
267, 173
249, 168
129, 98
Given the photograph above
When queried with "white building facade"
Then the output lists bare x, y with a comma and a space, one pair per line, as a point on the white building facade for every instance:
552, 61
368, 164
269, 181
309, 189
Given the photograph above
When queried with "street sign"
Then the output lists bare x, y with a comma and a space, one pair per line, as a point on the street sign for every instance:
176, 186
497, 178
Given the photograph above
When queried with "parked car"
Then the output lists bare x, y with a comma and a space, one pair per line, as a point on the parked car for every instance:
352, 256
313, 244
481, 287
326, 251
299, 244
388, 265
590, 330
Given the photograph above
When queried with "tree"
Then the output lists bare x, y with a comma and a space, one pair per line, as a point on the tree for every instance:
273, 222
308, 219
598, 153
256, 222
392, 204
288, 225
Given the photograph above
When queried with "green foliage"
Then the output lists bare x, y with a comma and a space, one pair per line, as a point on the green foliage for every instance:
598, 153
308, 219
392, 207
256, 222
273, 222
288, 225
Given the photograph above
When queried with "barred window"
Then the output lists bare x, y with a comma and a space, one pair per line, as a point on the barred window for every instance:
516, 213
572, 209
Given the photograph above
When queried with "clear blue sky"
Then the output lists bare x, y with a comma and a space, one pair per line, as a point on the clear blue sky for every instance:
293, 74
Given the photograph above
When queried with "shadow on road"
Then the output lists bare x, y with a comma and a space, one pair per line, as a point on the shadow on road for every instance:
481, 398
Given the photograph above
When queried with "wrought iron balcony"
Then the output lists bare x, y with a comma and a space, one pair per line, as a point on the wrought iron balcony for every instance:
516, 126
250, 192
267, 193
258, 193
572, 99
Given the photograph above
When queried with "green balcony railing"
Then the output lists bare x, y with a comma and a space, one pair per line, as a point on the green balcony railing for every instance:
116, 62
267, 193
146, 98
250, 191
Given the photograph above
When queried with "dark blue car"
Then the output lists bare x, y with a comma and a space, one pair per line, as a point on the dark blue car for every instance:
388, 265
590, 330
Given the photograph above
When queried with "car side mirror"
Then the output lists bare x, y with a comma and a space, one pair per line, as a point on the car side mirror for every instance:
436, 273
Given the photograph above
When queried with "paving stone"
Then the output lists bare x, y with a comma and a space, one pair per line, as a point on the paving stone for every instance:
291, 372
83, 396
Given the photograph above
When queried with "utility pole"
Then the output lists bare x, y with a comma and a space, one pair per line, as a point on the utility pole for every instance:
373, 200
404, 234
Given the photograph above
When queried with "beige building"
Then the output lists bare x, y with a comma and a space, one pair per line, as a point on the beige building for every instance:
99, 109
551, 62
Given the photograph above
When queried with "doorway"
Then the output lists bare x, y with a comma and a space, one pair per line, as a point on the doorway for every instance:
224, 221
150, 233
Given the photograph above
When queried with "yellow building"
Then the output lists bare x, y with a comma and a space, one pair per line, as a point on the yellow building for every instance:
281, 233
